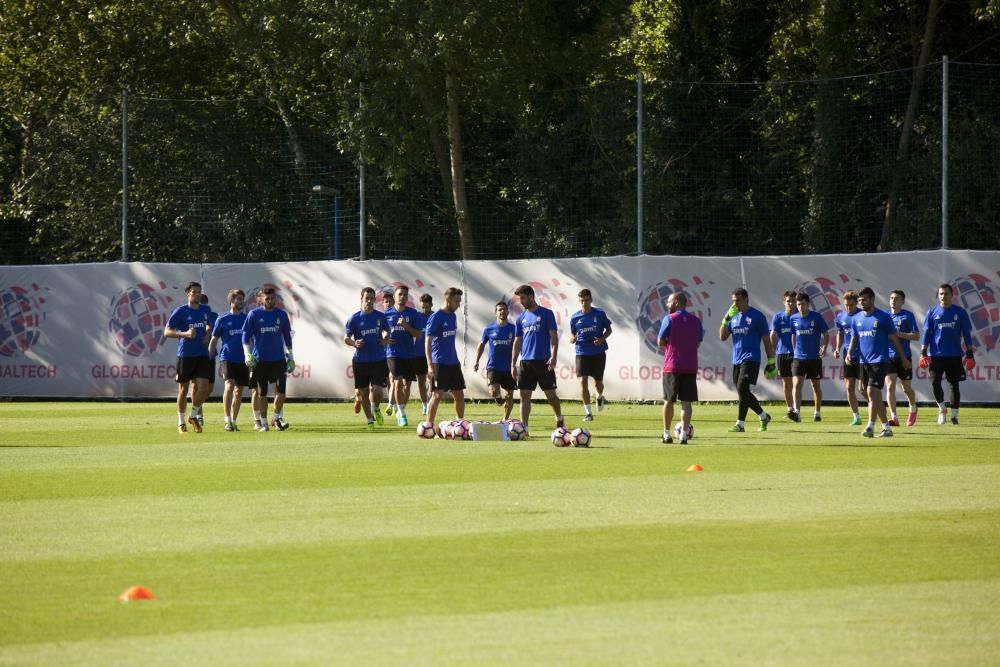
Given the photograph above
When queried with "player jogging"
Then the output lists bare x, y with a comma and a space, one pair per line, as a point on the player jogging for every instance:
367, 333
536, 345
906, 330
680, 335
781, 341
809, 339
387, 305
399, 355
267, 334
851, 372
229, 330
443, 366
589, 330
499, 336
190, 325
946, 326
748, 328
419, 359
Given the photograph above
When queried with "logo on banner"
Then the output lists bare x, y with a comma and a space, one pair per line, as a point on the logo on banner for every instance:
413, 298
548, 296
138, 316
652, 306
21, 314
979, 296
285, 298
825, 296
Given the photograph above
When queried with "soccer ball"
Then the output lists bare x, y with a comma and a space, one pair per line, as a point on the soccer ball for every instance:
561, 437
425, 430
444, 430
461, 430
679, 427
516, 430
580, 437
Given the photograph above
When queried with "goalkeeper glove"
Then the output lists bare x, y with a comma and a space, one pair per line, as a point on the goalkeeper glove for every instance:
730, 314
289, 363
970, 361
771, 371
249, 356
924, 362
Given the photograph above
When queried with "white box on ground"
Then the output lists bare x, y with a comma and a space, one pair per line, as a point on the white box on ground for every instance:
483, 431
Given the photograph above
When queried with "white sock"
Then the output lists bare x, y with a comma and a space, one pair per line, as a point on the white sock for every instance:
913, 408
892, 415
942, 407
763, 416
857, 415
402, 410
180, 418
871, 425
954, 412
279, 414
256, 416
815, 413
885, 426
586, 408
739, 422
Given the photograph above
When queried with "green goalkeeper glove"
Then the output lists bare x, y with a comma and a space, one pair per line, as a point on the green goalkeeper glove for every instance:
771, 371
730, 314
289, 363
249, 356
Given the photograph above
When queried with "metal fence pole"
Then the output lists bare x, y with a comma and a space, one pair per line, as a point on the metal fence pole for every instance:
124, 175
638, 165
361, 191
944, 152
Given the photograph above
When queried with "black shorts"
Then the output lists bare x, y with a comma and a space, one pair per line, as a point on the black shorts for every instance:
591, 365
949, 368
851, 371
896, 368
811, 368
784, 362
266, 373
448, 377
194, 368
401, 369
419, 365
531, 374
680, 387
747, 372
236, 372
370, 373
502, 378
873, 375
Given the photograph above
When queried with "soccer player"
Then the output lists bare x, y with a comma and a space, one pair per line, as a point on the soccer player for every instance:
267, 334
680, 335
189, 324
781, 340
809, 340
419, 359
367, 333
399, 354
387, 303
500, 338
212, 318
589, 330
748, 327
229, 330
872, 331
536, 345
851, 372
906, 330
946, 326
443, 366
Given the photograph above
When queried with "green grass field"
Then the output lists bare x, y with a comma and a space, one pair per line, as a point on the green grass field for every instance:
325, 544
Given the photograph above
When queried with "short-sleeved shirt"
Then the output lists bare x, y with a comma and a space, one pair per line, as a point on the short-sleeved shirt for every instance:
781, 324
229, 330
873, 331
367, 327
944, 330
270, 332
906, 322
682, 333
587, 327
442, 329
808, 330
748, 329
403, 347
843, 324
533, 328
500, 341
185, 318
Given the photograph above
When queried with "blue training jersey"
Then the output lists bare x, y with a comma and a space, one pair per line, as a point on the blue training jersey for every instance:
500, 340
533, 328
873, 331
843, 323
403, 347
229, 330
418, 321
185, 318
781, 324
906, 322
268, 332
442, 329
367, 327
748, 329
945, 329
587, 327
808, 330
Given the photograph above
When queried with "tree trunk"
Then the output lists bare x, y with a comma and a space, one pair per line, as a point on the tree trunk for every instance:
437, 141
919, 75
458, 167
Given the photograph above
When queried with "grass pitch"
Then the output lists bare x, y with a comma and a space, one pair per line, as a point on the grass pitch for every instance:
804, 545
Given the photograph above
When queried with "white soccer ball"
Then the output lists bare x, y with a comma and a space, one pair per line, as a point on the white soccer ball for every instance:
516, 430
679, 428
426, 430
461, 430
580, 437
444, 430
561, 437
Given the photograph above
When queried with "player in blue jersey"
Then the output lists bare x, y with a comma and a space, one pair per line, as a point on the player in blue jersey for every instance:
851, 372
229, 330
443, 366
267, 334
419, 360
748, 328
781, 341
946, 327
809, 340
399, 355
872, 333
387, 305
499, 336
189, 324
367, 333
906, 330
212, 317
589, 329
536, 349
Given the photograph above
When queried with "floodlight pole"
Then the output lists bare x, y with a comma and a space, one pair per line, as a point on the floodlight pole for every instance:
361, 188
944, 152
124, 175
638, 165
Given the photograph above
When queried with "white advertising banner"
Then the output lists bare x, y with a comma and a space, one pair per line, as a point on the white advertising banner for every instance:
95, 330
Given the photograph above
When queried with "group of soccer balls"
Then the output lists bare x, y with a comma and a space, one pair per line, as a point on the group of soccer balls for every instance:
461, 429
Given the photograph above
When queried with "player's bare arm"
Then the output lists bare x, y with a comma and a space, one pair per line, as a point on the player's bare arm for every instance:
514, 356
554, 339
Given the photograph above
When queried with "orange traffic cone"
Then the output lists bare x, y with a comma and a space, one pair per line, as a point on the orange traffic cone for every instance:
136, 593
696, 468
